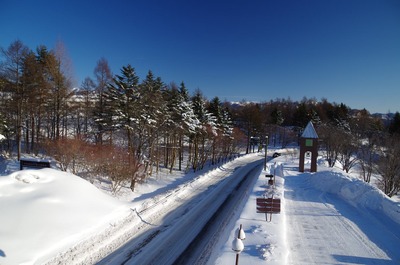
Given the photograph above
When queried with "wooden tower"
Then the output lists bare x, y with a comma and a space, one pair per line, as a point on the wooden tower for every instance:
309, 143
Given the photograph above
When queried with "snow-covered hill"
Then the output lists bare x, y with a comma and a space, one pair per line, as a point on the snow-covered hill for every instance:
45, 211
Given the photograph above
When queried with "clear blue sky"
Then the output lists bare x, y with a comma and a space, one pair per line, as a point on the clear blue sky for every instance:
347, 51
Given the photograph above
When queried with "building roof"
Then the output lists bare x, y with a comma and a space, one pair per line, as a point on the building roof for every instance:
309, 131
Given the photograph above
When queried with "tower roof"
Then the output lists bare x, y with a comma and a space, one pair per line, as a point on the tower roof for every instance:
309, 131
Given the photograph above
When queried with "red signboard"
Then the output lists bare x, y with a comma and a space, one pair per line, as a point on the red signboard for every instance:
268, 205
268, 200
269, 209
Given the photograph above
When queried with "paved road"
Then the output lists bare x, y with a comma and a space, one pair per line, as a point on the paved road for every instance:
199, 251
171, 225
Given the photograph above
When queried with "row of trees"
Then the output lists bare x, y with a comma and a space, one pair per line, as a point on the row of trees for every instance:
360, 141
347, 137
126, 128
34, 94
144, 124
158, 123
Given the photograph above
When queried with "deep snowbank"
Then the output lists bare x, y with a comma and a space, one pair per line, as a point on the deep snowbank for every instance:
44, 211
356, 192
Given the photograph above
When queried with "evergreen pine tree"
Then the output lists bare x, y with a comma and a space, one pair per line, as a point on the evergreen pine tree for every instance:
120, 104
151, 117
277, 117
394, 127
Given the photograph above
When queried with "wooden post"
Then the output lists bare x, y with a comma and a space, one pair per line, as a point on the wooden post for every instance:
237, 259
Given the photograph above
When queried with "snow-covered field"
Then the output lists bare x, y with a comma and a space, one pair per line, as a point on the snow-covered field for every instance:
44, 211
326, 218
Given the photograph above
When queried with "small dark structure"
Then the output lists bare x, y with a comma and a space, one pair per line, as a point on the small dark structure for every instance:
276, 154
271, 179
309, 143
33, 163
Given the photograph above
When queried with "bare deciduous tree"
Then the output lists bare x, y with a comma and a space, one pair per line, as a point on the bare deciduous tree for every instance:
330, 137
348, 150
12, 70
388, 166
103, 76
67, 152
116, 164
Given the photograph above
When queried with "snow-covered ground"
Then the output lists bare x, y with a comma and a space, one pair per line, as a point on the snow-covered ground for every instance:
326, 218
44, 211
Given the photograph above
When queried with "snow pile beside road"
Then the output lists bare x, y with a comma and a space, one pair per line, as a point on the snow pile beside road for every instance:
45, 211
356, 192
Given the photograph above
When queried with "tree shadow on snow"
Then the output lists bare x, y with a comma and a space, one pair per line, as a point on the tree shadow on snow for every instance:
260, 251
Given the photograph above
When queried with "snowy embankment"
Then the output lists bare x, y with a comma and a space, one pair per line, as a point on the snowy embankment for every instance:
45, 211
356, 192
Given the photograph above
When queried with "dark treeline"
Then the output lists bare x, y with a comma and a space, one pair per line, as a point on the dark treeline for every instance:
124, 128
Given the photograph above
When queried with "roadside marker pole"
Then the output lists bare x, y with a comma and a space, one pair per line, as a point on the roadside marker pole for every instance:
265, 157
237, 243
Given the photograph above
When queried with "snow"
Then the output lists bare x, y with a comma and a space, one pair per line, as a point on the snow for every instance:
357, 193
309, 131
265, 241
327, 217
44, 211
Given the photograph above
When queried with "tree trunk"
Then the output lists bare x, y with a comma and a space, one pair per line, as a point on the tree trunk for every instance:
180, 152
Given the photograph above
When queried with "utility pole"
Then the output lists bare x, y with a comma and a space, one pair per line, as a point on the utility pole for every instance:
266, 147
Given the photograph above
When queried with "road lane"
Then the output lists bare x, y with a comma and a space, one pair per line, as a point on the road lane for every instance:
172, 224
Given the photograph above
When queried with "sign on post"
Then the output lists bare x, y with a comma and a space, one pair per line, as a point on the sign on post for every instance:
268, 206
270, 181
